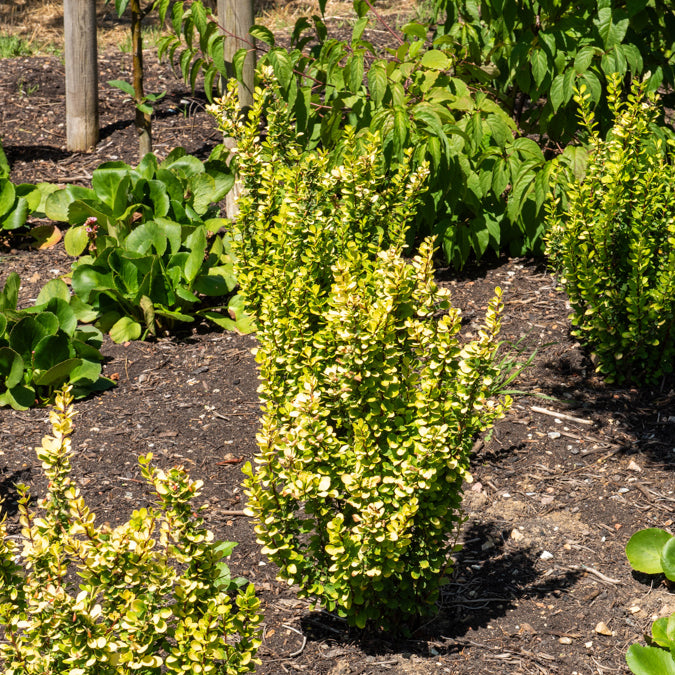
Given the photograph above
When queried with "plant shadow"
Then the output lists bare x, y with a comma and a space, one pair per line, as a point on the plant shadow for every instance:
486, 583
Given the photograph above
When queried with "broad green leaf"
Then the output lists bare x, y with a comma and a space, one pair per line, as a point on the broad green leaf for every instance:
7, 196
612, 28
48, 321
203, 189
25, 336
10, 291
263, 34
87, 370
20, 397
76, 240
58, 374
16, 217
123, 86
50, 351
196, 242
146, 236
86, 278
435, 59
415, 29
11, 367
593, 84
125, 330
540, 65
56, 205
583, 59
649, 661
64, 313
660, 631
644, 550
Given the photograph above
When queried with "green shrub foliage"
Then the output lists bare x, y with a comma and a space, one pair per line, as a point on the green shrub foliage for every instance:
371, 402
612, 240
44, 347
152, 256
487, 181
152, 595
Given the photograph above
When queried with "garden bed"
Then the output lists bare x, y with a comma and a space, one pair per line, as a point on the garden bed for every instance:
542, 585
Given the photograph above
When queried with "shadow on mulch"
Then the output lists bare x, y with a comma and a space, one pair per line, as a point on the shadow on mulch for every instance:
638, 420
8, 494
30, 153
487, 582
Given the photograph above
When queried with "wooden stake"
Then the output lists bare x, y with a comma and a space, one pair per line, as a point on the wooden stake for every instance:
79, 22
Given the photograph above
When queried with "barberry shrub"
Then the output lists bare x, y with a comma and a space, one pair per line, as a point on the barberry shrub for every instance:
611, 239
150, 596
371, 400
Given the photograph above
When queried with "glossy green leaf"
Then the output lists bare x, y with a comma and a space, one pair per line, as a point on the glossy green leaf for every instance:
644, 550
125, 330
435, 60
58, 374
11, 367
649, 661
54, 288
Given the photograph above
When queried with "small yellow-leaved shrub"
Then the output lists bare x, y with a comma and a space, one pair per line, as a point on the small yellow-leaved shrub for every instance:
152, 595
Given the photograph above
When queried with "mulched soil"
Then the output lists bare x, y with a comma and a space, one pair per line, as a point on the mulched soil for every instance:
542, 584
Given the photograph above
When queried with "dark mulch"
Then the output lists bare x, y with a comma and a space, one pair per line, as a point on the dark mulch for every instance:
555, 496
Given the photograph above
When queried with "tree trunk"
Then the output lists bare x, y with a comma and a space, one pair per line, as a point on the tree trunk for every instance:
142, 121
79, 22
236, 18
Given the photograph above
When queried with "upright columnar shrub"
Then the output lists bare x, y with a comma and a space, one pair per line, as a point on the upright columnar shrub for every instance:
148, 597
612, 240
371, 401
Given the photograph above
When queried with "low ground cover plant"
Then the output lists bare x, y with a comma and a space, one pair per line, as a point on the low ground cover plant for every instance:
152, 595
652, 551
371, 401
150, 253
612, 241
44, 346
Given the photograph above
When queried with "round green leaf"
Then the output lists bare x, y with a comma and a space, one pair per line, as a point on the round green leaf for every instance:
435, 60
649, 661
55, 288
49, 321
644, 550
125, 330
76, 240
51, 351
20, 397
25, 335
7, 194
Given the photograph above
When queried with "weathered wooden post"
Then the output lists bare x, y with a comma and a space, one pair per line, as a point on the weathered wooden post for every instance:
236, 18
79, 23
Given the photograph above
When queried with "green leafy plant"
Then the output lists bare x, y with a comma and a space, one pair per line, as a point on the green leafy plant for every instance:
612, 241
535, 54
488, 180
16, 201
150, 596
371, 403
43, 347
152, 252
652, 551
